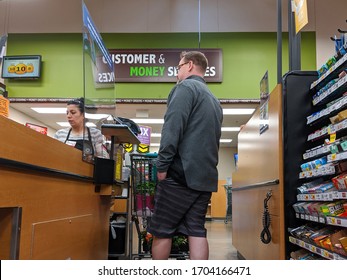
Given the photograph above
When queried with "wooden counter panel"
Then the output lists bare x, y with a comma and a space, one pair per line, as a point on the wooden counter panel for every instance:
66, 238
46, 198
260, 161
61, 216
22, 144
259, 154
5, 232
247, 224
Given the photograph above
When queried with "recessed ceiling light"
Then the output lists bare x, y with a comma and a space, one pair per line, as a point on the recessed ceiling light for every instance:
230, 129
238, 111
156, 135
63, 124
155, 144
66, 124
56, 110
96, 116
142, 113
51, 110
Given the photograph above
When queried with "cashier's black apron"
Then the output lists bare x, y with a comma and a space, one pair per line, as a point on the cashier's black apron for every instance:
87, 144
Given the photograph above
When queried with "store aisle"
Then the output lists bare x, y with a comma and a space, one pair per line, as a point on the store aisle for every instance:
220, 241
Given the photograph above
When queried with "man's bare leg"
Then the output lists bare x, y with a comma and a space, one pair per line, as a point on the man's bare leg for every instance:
198, 248
161, 248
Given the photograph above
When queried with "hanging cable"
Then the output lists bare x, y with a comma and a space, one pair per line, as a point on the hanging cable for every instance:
199, 22
265, 235
7, 17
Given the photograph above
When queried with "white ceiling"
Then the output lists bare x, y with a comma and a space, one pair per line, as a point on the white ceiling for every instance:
129, 111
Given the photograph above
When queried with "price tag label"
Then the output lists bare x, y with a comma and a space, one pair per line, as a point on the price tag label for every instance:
335, 195
333, 138
332, 130
334, 87
338, 257
333, 157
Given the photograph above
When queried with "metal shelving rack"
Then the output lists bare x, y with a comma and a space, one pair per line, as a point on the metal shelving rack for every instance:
143, 182
120, 133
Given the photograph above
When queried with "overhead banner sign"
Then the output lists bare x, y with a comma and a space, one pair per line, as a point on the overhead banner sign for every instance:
157, 65
299, 7
264, 103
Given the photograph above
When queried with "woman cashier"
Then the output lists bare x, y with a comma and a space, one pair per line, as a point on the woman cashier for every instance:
92, 142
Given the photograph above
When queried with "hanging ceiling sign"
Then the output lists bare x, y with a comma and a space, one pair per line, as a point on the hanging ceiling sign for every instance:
158, 65
299, 7
264, 103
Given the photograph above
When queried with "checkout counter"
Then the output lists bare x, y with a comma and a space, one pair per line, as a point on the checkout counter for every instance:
50, 207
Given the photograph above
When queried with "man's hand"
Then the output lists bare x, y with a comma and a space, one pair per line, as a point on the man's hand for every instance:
161, 175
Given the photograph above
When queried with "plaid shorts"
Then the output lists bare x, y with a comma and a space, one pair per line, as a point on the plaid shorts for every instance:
178, 209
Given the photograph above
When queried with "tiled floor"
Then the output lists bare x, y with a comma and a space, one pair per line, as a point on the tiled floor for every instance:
220, 240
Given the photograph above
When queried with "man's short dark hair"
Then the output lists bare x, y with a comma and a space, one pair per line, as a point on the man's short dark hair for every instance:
197, 57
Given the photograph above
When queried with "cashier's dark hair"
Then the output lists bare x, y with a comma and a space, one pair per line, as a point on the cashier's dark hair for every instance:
79, 102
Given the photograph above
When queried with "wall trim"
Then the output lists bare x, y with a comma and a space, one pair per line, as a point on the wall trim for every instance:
127, 101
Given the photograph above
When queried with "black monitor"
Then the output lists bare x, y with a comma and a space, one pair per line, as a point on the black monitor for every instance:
21, 67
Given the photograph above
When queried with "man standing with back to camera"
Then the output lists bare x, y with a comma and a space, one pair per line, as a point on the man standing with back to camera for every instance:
187, 161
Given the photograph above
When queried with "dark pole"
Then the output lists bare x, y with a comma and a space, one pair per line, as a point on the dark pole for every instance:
279, 41
199, 23
294, 41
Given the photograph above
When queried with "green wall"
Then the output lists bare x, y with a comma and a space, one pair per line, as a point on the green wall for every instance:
61, 68
246, 57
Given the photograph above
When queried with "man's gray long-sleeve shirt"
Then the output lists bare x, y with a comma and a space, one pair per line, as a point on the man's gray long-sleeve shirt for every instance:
190, 135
